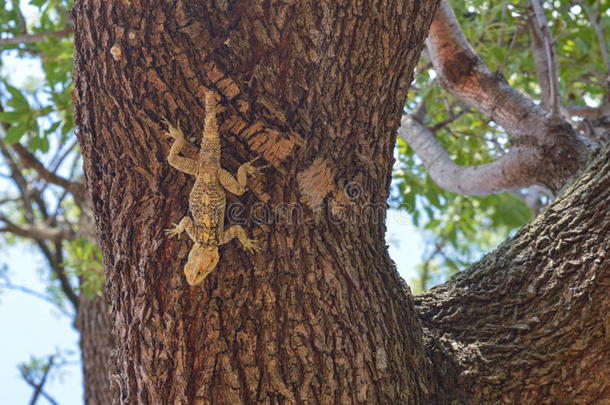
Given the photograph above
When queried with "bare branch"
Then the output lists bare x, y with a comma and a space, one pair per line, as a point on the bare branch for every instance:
33, 293
59, 159
9, 199
24, 38
449, 120
30, 161
60, 272
523, 305
38, 386
541, 63
534, 197
463, 74
37, 231
19, 180
595, 19
512, 170
545, 150
543, 27
587, 112
23, 28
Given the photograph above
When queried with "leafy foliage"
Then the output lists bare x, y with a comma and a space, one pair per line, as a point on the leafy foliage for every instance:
85, 261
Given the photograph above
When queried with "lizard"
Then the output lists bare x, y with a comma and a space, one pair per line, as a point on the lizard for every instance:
207, 200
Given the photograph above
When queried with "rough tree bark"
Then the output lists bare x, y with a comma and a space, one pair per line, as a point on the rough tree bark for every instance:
317, 91
321, 316
530, 323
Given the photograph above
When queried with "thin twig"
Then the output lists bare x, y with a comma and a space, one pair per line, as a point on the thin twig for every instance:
30, 161
550, 53
56, 162
594, 18
511, 46
449, 120
60, 272
24, 38
33, 293
38, 386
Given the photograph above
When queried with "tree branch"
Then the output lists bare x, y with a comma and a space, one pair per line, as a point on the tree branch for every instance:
463, 74
19, 180
529, 322
60, 272
38, 387
544, 151
24, 38
512, 170
39, 231
30, 161
33, 293
553, 79
587, 112
594, 18
540, 62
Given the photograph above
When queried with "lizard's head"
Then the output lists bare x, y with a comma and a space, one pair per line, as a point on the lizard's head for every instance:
202, 260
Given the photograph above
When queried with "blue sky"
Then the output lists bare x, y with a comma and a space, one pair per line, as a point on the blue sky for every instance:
33, 327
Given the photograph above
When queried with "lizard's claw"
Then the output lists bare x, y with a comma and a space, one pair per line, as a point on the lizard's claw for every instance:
251, 245
251, 170
172, 131
175, 231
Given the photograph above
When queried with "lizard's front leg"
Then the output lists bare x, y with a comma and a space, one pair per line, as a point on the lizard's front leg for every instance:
238, 232
186, 224
183, 164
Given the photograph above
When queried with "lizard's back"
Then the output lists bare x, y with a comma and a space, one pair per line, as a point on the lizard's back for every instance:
207, 203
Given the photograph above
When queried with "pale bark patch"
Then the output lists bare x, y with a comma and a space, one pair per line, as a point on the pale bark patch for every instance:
315, 183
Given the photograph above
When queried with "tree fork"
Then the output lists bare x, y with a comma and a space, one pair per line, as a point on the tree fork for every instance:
321, 316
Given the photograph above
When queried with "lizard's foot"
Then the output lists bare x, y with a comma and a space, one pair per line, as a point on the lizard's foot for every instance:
251, 245
252, 170
175, 231
172, 131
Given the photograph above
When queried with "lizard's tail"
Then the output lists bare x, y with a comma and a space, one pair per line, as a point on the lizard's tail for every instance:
211, 137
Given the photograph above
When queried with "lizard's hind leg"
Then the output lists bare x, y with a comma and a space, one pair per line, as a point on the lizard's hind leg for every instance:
238, 232
185, 225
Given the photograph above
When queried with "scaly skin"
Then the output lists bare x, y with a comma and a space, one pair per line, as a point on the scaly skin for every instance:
207, 201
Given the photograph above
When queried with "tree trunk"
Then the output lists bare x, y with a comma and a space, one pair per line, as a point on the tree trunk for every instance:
320, 316
317, 92
93, 321
94, 326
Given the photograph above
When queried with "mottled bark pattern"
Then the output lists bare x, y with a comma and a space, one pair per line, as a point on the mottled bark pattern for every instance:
317, 90
530, 323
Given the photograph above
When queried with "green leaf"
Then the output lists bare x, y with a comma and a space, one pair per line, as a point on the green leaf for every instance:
18, 100
52, 128
15, 132
13, 117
